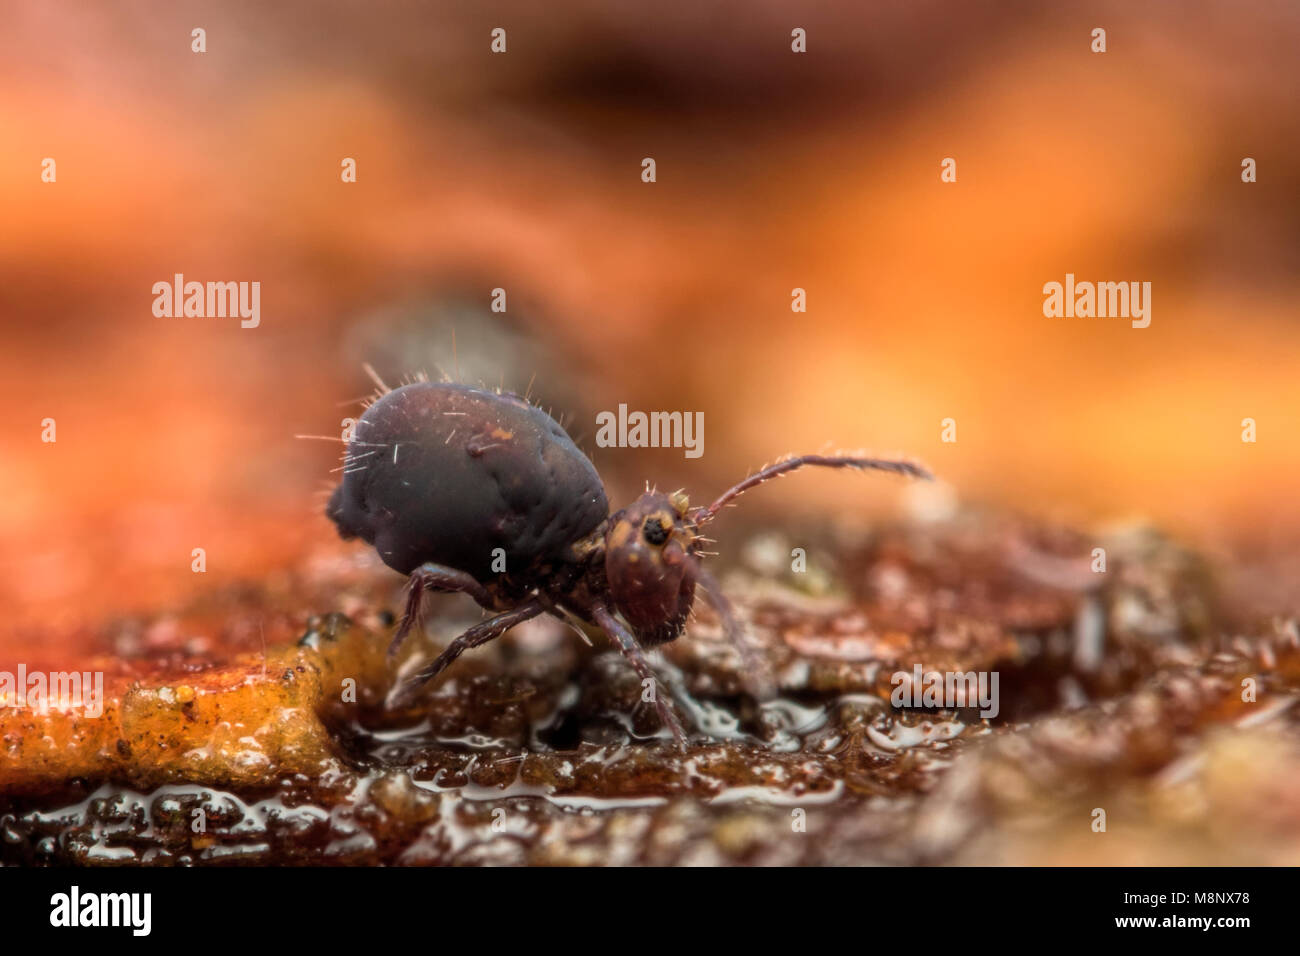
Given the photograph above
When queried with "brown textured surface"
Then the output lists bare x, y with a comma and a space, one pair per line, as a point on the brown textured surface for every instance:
551, 733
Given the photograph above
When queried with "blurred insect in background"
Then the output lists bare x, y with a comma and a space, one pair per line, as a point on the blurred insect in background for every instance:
481, 492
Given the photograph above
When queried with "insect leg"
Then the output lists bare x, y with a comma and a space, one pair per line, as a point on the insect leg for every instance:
434, 577
756, 673
480, 633
621, 636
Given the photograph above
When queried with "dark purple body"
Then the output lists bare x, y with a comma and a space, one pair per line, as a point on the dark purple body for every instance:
447, 474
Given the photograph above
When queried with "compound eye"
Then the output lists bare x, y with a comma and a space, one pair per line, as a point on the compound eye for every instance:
655, 531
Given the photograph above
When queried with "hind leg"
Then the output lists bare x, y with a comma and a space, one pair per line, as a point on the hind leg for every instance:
434, 577
477, 635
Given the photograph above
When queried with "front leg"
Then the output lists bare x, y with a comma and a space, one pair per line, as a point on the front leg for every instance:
756, 674
626, 642
434, 577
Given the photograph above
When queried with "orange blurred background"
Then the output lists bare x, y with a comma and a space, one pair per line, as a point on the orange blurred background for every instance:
522, 170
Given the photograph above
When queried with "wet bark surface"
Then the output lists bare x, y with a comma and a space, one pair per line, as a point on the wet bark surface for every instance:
250, 726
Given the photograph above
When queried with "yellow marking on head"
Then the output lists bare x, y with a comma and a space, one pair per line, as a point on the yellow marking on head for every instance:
618, 537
